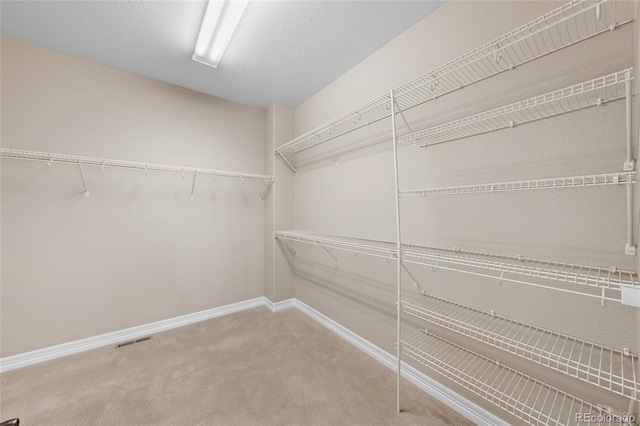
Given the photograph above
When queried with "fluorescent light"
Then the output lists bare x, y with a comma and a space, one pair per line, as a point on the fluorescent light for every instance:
220, 21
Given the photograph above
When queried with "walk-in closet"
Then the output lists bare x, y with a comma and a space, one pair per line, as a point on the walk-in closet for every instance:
316, 212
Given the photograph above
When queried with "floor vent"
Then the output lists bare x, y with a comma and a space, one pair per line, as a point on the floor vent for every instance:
131, 342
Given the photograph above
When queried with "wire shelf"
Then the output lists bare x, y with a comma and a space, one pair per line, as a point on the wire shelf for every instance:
511, 268
102, 162
610, 369
579, 96
602, 179
516, 269
356, 246
529, 399
571, 23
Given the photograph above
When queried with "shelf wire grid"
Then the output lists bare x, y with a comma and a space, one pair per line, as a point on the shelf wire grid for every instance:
566, 25
610, 278
103, 162
601, 179
610, 369
356, 246
529, 399
502, 267
587, 94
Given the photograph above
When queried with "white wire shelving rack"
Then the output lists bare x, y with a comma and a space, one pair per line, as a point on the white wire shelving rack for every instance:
102, 163
502, 268
522, 270
610, 369
596, 92
601, 179
571, 23
591, 93
525, 397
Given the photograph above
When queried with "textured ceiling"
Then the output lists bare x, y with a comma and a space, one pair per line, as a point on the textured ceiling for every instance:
282, 51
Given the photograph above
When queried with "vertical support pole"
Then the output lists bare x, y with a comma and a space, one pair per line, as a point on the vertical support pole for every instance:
629, 165
630, 248
398, 246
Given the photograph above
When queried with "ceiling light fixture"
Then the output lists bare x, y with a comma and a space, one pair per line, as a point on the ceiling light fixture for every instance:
220, 21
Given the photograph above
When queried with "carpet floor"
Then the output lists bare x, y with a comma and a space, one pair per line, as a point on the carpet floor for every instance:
254, 367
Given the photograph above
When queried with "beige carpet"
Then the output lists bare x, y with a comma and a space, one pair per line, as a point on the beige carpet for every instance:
250, 368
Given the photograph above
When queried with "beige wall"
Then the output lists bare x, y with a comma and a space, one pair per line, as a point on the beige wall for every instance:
356, 198
269, 205
279, 284
138, 249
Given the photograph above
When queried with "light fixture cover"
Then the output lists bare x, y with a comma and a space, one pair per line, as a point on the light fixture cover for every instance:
220, 21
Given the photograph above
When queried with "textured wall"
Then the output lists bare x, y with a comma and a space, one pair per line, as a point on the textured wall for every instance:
356, 197
138, 249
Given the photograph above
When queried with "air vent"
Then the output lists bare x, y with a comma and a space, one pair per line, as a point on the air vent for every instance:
131, 342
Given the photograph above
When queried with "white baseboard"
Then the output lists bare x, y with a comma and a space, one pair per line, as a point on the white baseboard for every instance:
460, 404
278, 306
53, 352
468, 409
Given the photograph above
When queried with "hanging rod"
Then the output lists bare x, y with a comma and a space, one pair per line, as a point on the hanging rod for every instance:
610, 369
603, 179
571, 23
502, 268
529, 399
583, 95
101, 162
50, 158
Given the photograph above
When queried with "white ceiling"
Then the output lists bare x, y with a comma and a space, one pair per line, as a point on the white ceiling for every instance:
282, 51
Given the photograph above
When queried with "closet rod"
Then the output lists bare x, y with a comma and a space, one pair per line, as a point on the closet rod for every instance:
102, 162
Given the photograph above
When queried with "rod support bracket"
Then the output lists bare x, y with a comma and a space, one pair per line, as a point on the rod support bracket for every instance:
629, 166
265, 190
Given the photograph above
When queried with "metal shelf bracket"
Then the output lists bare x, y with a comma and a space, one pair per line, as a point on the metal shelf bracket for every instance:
265, 191
84, 181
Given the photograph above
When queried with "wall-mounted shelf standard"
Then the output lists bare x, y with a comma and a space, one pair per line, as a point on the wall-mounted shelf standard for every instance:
529, 399
590, 93
610, 369
502, 268
51, 158
602, 179
571, 23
